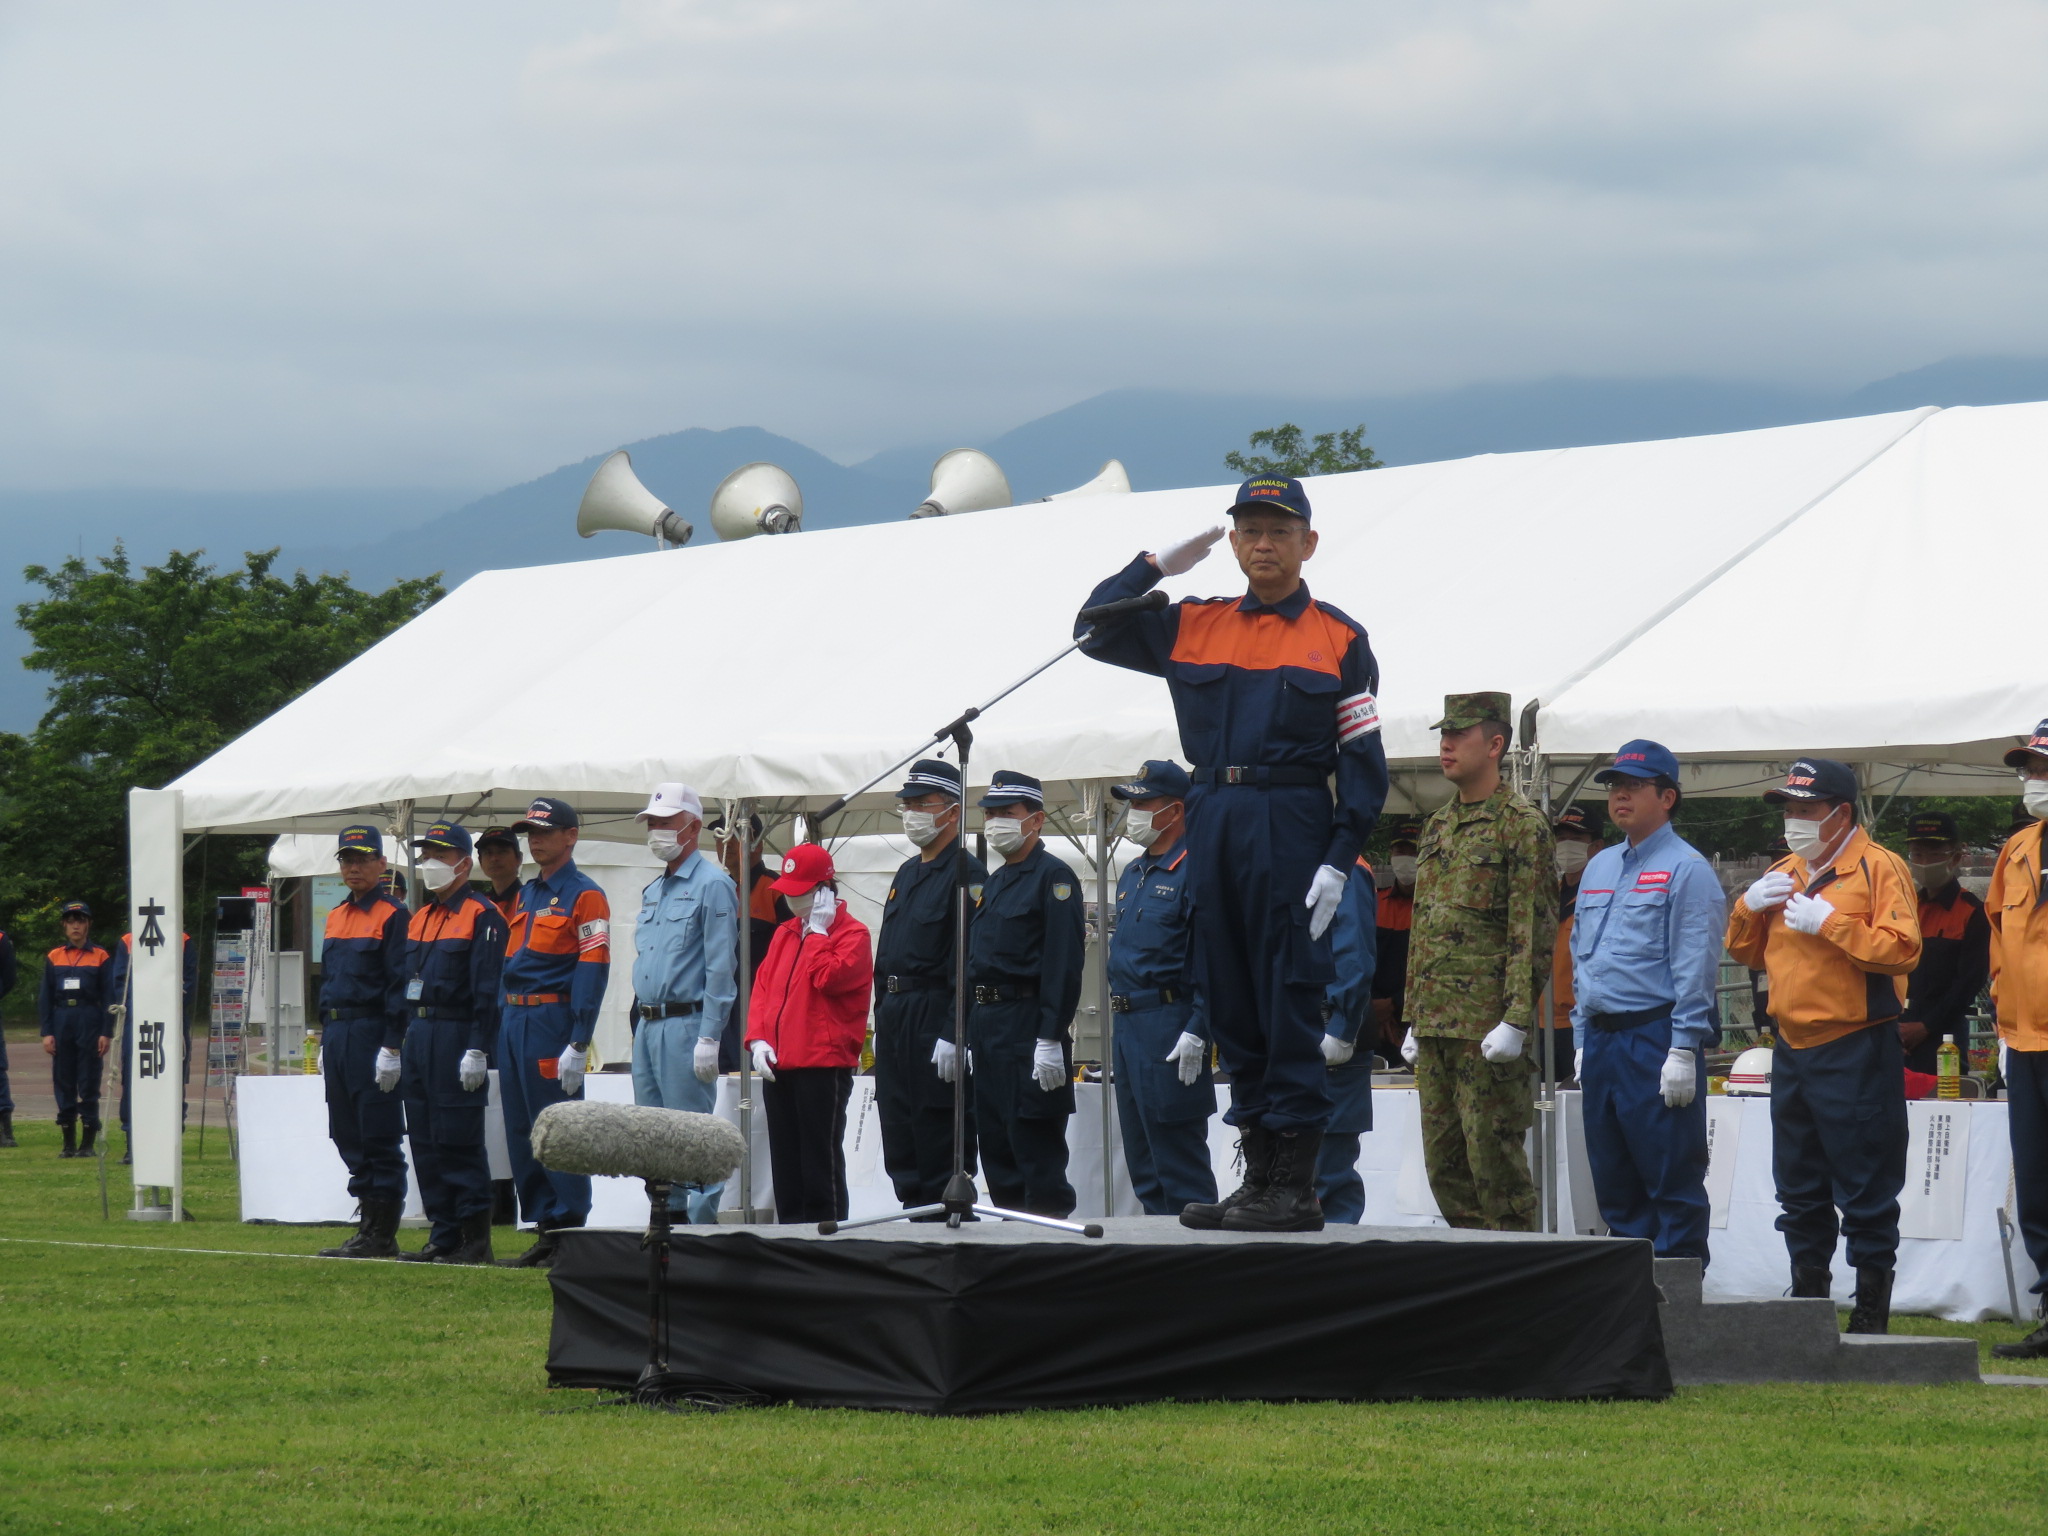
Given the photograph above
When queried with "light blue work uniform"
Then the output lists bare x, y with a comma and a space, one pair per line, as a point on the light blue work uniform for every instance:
1646, 950
685, 978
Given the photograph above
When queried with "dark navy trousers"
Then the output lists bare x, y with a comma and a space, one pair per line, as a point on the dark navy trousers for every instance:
914, 1105
529, 1035
1838, 1134
1022, 1131
366, 1125
1649, 1161
1254, 852
2026, 1091
77, 1069
445, 1125
1164, 1122
1339, 1185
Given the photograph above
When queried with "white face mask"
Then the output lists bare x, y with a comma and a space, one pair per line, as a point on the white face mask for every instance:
1140, 828
1805, 838
1932, 877
921, 827
2035, 793
1403, 865
800, 906
664, 844
1005, 834
1571, 858
436, 875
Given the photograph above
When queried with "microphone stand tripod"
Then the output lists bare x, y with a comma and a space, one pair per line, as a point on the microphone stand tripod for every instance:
957, 1204
658, 1386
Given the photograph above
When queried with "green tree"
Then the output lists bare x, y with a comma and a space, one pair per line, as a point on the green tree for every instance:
152, 671
1327, 453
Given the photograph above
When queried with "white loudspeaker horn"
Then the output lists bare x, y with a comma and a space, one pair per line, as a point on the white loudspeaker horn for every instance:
616, 499
756, 498
965, 480
1110, 480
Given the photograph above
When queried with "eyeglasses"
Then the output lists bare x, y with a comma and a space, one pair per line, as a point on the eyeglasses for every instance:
1261, 533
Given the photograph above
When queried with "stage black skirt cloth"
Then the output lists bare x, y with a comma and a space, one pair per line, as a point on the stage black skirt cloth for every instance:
997, 1318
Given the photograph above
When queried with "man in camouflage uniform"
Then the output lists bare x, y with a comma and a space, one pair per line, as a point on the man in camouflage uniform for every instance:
1478, 956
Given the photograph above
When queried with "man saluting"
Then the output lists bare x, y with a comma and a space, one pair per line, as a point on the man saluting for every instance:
1274, 693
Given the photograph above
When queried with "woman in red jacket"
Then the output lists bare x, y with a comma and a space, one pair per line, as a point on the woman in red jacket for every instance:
806, 1021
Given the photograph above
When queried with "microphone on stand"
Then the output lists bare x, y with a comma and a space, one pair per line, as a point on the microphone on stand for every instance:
1150, 602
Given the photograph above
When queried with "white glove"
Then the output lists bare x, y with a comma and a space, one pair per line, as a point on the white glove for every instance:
1048, 1065
1503, 1042
1324, 892
1805, 914
473, 1071
1768, 890
569, 1069
764, 1060
1190, 1054
2004, 1065
1579, 1065
1188, 553
1409, 1049
1680, 1079
823, 906
946, 1060
387, 1069
704, 1060
1336, 1052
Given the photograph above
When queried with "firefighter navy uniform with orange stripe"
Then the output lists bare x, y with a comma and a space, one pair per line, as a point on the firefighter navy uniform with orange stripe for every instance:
454, 962
1154, 1000
556, 966
1955, 962
363, 972
1272, 701
1354, 946
71, 1008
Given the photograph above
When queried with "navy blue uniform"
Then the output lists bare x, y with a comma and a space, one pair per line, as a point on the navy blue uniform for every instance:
1347, 1006
72, 1009
121, 989
913, 1012
1024, 953
454, 969
362, 1010
1272, 701
8, 972
1165, 1122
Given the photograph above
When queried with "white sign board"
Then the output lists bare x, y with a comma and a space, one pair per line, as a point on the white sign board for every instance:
1724, 1145
1937, 1169
156, 1029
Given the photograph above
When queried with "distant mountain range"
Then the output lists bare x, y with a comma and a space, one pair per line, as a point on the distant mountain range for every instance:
1165, 439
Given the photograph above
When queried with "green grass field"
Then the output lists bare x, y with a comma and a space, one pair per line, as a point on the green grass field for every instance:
147, 1389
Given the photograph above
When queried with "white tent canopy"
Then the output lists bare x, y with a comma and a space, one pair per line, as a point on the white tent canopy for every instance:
1742, 598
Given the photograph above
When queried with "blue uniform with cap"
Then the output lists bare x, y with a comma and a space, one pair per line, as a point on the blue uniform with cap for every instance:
1274, 702
71, 1008
1347, 1005
454, 965
1154, 1001
1024, 957
1646, 954
362, 1011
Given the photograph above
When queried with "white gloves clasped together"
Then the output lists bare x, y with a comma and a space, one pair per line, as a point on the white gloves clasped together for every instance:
1803, 913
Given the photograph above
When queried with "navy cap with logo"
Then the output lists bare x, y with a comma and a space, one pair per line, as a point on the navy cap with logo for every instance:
548, 814
75, 909
1263, 492
1009, 788
1404, 829
931, 776
1640, 760
363, 839
497, 837
1588, 819
1157, 779
446, 834
2035, 749
1815, 778
1933, 827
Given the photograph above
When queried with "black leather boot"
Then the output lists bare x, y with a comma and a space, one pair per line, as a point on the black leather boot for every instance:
1256, 1148
540, 1256
1873, 1310
475, 1247
7, 1128
70, 1147
92, 1133
2033, 1347
426, 1255
1810, 1281
375, 1238
1288, 1203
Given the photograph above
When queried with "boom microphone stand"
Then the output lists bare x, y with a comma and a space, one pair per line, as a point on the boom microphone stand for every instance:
958, 1202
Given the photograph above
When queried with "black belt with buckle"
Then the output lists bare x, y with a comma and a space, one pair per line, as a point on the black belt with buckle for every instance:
1261, 776
648, 1011
1634, 1018
1138, 1002
341, 1015
1006, 992
895, 984
447, 1015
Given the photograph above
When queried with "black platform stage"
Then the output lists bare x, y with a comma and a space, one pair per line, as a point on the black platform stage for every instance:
996, 1317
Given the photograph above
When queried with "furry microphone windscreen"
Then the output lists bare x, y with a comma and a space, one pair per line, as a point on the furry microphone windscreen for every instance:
637, 1141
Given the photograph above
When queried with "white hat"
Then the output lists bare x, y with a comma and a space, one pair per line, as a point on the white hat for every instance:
672, 800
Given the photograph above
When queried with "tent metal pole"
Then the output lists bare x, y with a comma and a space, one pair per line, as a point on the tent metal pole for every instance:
743, 822
1546, 1035
1104, 916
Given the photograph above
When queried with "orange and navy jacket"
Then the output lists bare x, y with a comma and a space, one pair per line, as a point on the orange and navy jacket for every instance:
2019, 941
1390, 970
1955, 958
121, 980
561, 944
455, 950
74, 989
363, 962
507, 901
1849, 975
1285, 685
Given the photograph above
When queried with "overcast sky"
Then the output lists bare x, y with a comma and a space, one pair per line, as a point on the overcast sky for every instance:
462, 241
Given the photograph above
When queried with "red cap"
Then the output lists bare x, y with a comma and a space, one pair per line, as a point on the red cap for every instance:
804, 866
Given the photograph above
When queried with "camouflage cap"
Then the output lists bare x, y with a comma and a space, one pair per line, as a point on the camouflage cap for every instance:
1463, 710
